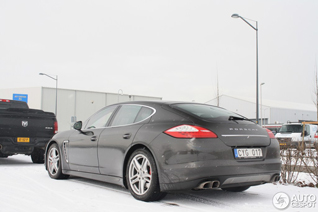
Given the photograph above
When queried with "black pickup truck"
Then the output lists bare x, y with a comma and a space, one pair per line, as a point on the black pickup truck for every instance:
24, 131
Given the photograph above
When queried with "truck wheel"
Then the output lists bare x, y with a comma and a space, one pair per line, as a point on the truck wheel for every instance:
37, 156
53, 163
3, 156
142, 177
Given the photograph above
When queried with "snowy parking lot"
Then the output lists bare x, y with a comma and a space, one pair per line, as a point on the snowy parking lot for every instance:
27, 187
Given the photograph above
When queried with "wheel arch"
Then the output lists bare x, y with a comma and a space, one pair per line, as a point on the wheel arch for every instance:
49, 144
129, 153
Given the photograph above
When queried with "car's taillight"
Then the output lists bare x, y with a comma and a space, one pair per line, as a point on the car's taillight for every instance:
4, 100
190, 131
271, 135
55, 127
316, 135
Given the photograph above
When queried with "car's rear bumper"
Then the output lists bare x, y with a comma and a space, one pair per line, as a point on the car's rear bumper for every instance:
185, 164
222, 182
10, 146
227, 175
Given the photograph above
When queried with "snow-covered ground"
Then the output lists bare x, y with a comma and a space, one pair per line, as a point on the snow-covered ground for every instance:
27, 187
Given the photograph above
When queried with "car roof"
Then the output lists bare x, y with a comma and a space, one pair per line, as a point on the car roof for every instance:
159, 102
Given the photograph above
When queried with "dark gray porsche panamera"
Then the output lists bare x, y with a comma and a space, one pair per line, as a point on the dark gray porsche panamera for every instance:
152, 148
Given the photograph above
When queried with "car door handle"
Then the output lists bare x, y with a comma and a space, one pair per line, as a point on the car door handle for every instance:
127, 136
94, 138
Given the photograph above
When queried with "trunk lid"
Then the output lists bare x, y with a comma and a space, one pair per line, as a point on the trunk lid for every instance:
242, 133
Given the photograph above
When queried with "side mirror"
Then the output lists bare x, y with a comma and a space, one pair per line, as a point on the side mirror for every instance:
78, 125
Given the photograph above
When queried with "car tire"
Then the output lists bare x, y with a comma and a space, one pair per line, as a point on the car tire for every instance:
53, 163
142, 177
236, 189
37, 156
3, 156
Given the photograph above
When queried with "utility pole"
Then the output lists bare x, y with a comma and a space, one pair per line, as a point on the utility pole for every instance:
316, 88
217, 89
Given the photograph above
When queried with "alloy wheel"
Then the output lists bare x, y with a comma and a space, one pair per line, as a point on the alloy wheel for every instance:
140, 177
53, 161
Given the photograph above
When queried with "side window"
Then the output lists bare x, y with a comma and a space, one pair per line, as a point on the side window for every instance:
100, 118
144, 113
126, 115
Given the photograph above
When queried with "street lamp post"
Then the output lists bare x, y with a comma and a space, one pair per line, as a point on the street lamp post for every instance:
262, 104
256, 29
120, 90
56, 80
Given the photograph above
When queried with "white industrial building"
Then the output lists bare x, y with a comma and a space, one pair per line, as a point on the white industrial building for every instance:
269, 111
72, 105
76, 105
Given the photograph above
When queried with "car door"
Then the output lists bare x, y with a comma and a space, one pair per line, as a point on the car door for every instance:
116, 139
82, 146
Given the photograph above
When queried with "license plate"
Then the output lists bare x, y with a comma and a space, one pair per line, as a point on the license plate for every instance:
23, 140
248, 153
282, 144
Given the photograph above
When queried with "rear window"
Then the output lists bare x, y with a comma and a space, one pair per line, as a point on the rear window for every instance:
205, 111
126, 115
129, 114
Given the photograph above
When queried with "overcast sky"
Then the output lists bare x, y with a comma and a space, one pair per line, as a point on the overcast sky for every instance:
165, 48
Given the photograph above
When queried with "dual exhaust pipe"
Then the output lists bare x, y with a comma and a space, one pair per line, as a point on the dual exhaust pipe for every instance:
216, 184
209, 185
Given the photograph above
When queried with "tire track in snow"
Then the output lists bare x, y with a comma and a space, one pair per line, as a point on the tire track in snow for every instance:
206, 201
40, 185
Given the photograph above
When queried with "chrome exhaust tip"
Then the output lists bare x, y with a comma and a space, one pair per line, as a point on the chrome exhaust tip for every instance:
208, 185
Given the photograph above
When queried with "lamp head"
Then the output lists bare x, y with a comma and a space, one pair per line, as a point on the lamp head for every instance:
41, 74
235, 15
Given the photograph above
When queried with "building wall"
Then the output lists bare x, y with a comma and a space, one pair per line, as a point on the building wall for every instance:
242, 107
282, 115
75, 105
269, 114
72, 105
34, 95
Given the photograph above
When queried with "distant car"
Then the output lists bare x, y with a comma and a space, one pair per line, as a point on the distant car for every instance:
155, 147
291, 134
273, 127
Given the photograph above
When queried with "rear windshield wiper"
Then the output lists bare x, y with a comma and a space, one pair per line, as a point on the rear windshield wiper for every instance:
234, 118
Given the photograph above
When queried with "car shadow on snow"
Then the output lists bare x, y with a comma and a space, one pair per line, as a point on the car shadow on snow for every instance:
208, 197
216, 197
13, 160
99, 184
